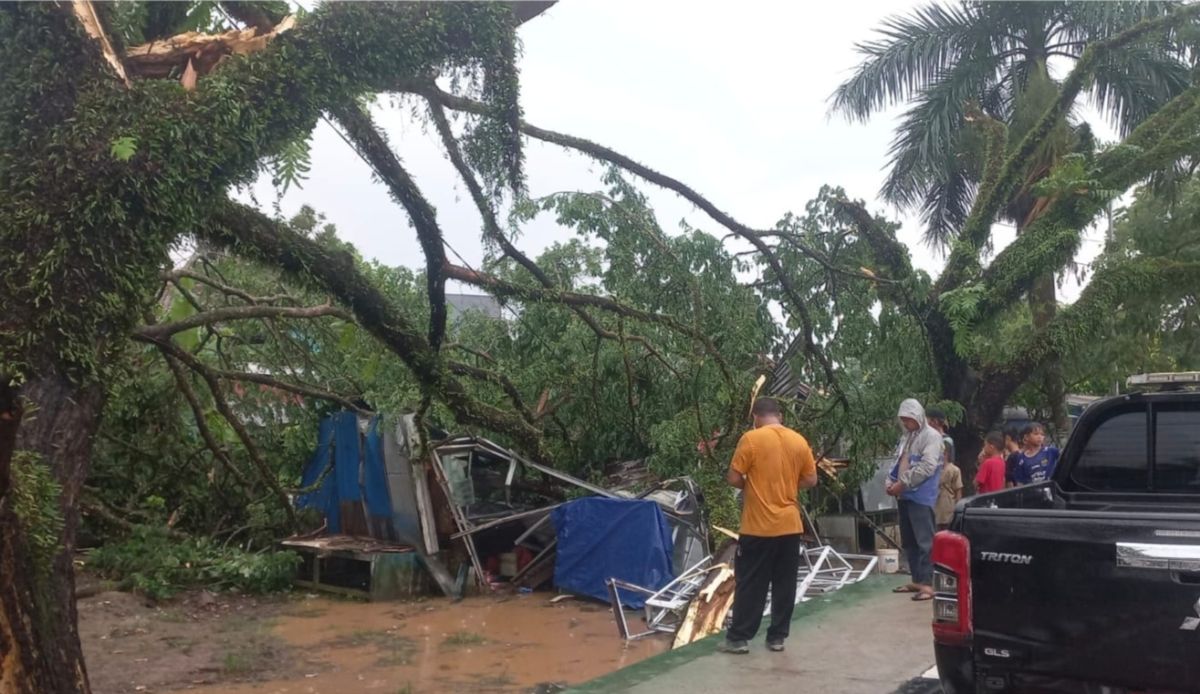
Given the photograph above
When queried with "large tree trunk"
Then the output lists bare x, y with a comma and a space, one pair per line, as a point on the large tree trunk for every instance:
1043, 304
39, 643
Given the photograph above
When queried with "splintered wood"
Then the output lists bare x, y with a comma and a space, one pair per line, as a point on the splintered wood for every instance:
193, 54
707, 612
86, 14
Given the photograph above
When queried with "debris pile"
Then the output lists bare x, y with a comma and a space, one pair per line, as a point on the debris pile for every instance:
475, 514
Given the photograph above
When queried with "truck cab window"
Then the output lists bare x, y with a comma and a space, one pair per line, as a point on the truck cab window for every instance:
1177, 450
1114, 459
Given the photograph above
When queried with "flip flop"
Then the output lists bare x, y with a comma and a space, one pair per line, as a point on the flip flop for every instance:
906, 588
921, 596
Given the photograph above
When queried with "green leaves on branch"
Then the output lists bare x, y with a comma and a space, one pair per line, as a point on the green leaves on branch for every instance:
35, 501
158, 565
292, 165
123, 148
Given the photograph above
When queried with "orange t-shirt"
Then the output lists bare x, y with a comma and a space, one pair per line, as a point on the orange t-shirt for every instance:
773, 459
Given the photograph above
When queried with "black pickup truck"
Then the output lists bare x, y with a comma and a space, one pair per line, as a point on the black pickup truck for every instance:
1089, 582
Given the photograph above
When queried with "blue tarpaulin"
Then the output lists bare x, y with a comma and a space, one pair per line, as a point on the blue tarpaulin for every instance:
358, 474
600, 538
324, 498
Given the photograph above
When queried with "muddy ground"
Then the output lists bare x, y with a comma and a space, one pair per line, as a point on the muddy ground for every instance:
305, 643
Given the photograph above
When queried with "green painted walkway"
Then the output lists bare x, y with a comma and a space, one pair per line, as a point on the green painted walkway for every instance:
861, 639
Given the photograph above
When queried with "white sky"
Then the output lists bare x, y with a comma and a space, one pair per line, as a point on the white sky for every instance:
731, 100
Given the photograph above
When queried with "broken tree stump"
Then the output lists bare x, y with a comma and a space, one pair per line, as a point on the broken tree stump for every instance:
707, 612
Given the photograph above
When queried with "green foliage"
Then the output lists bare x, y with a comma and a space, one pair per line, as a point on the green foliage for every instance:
945, 59
291, 166
34, 498
152, 562
123, 148
88, 228
1143, 334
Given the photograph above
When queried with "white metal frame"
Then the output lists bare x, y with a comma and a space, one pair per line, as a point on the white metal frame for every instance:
823, 570
666, 607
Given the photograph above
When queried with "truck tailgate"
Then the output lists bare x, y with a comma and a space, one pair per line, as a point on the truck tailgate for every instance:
1110, 597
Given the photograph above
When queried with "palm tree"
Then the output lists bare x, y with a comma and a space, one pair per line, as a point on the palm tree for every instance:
999, 57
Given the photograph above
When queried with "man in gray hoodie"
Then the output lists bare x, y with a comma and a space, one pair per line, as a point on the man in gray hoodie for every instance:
914, 480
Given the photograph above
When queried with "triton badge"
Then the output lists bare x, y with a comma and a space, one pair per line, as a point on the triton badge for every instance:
1006, 558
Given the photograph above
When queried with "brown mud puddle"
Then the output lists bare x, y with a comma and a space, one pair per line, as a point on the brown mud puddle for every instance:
318, 645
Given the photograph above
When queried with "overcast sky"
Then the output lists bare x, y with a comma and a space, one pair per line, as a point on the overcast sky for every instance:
730, 99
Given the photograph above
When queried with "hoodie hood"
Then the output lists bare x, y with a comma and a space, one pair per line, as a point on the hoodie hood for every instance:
912, 409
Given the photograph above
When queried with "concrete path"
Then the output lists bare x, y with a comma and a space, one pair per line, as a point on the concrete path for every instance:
860, 640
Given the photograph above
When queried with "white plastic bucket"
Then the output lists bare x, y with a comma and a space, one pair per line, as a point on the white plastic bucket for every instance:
889, 560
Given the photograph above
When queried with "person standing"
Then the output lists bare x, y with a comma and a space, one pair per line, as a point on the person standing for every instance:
914, 480
937, 420
1035, 460
991, 475
1012, 453
950, 485
771, 465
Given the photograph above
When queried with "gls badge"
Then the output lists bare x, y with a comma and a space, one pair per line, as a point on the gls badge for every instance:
1007, 558
997, 652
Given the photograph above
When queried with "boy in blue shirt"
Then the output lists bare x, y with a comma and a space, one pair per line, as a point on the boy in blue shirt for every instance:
1034, 462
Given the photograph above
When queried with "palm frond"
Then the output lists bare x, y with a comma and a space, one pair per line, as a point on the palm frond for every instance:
1091, 21
928, 136
1128, 86
947, 205
914, 50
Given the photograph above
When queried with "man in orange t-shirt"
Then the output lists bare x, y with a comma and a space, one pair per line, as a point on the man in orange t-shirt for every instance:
771, 465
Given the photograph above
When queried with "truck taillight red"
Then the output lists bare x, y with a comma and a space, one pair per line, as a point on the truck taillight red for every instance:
952, 588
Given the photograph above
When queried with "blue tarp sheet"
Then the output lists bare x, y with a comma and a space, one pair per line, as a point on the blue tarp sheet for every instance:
599, 539
358, 471
323, 498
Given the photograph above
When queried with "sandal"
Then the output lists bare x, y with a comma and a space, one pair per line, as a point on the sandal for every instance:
906, 588
922, 596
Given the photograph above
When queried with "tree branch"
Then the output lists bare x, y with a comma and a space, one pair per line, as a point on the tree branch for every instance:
499, 287
499, 379
201, 421
214, 386
257, 236
1079, 321
375, 149
158, 331
993, 197
181, 273
597, 151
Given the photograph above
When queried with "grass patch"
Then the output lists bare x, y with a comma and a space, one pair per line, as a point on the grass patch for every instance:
250, 650
236, 664
463, 638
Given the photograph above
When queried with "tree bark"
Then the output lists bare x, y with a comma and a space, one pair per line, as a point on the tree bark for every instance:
1043, 305
39, 643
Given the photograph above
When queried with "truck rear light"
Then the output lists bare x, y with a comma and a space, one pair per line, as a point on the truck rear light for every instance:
945, 610
952, 588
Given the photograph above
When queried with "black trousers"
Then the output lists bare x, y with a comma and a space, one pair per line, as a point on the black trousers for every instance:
762, 563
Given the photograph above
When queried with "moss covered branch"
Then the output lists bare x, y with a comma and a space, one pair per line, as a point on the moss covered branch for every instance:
373, 146
996, 193
1078, 322
254, 235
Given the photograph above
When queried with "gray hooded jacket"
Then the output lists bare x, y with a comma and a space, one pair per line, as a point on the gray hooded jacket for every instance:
925, 442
